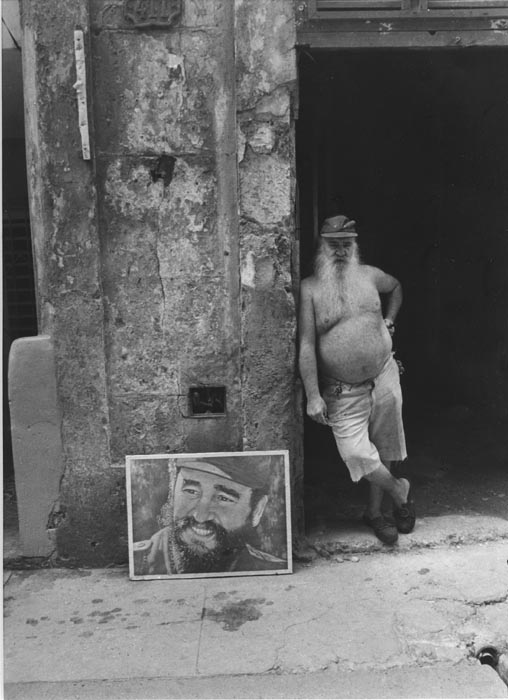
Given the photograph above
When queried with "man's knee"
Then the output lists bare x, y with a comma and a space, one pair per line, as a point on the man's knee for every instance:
358, 452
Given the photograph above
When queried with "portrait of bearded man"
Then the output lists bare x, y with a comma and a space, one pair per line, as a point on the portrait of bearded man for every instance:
208, 523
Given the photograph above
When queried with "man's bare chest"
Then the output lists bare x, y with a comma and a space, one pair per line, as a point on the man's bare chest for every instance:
345, 305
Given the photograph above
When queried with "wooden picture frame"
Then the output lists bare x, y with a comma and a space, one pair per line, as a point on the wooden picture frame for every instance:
208, 514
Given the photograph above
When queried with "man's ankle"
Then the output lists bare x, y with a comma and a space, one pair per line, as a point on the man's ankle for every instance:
402, 492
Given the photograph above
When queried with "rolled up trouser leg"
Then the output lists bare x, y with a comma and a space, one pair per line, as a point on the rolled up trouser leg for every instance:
386, 429
366, 420
348, 416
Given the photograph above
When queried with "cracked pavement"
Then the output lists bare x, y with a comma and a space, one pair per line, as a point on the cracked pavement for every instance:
416, 611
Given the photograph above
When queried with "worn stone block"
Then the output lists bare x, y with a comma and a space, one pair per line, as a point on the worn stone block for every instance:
275, 105
263, 139
265, 188
203, 13
265, 48
154, 92
143, 424
269, 333
166, 281
216, 434
93, 527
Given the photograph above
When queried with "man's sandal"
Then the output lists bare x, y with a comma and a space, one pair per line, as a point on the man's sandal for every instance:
384, 531
405, 516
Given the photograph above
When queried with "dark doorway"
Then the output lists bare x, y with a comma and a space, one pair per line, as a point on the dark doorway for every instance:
413, 144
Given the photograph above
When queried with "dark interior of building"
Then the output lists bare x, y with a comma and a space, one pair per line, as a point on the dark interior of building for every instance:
413, 145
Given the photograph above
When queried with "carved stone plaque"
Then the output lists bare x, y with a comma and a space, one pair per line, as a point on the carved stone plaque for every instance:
152, 13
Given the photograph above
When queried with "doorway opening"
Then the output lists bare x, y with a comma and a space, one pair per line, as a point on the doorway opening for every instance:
413, 145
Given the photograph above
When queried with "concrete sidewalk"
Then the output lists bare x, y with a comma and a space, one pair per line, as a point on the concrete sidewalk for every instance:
378, 624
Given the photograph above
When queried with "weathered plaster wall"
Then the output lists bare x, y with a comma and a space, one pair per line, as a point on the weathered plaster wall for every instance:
63, 203
169, 260
266, 85
164, 118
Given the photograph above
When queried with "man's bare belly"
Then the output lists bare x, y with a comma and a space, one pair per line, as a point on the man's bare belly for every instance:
355, 349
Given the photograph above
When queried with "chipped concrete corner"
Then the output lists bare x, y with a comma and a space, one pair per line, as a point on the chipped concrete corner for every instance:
169, 260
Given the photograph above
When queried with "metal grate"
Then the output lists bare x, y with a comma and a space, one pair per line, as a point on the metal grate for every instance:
18, 275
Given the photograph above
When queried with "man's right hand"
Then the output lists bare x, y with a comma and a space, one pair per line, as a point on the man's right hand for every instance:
317, 410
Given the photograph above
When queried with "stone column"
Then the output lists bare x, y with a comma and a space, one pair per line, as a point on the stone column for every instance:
165, 125
266, 84
138, 250
63, 211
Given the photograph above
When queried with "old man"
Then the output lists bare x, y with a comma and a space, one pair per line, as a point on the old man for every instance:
210, 519
350, 377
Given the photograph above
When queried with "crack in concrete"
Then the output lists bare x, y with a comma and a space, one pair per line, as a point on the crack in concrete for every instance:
461, 600
459, 634
159, 276
278, 650
486, 603
198, 650
447, 636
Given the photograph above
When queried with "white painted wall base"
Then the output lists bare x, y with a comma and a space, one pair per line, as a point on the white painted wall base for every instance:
36, 440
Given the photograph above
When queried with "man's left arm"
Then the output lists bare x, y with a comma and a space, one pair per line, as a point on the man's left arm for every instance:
391, 287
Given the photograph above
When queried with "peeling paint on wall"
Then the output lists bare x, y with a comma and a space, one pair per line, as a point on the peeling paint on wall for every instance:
263, 139
248, 271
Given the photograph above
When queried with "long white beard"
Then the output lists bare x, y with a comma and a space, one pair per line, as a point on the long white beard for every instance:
339, 283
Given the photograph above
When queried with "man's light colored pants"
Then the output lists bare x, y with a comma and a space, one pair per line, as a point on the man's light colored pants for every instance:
366, 420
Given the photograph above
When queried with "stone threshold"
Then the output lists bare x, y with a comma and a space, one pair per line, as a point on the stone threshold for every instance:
353, 537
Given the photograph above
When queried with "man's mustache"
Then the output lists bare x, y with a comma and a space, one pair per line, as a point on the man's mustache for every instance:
190, 521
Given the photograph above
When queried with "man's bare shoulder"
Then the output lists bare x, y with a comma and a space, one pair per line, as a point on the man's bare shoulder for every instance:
375, 274
383, 280
371, 271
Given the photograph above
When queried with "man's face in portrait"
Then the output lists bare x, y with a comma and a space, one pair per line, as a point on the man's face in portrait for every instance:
214, 517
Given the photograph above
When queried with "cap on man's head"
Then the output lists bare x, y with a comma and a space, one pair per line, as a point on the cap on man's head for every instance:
249, 470
338, 227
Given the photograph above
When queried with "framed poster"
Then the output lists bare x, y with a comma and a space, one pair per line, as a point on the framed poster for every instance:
208, 514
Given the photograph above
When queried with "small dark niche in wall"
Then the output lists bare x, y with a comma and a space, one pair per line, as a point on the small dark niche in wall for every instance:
163, 170
207, 401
